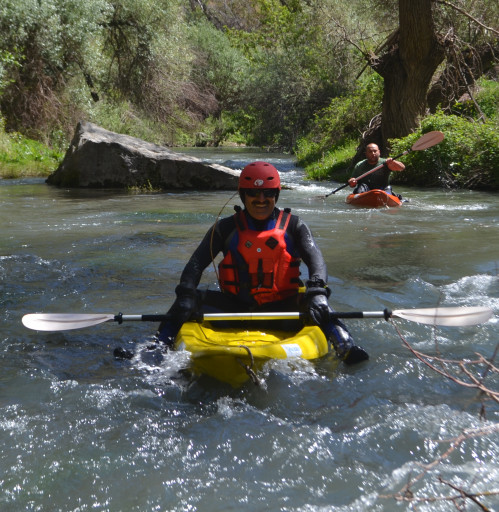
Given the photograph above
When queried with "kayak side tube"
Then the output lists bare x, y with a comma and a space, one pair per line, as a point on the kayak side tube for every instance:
225, 354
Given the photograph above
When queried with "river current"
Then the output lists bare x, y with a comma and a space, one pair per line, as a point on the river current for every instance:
83, 431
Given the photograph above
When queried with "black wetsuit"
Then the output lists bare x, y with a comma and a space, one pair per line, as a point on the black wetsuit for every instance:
302, 243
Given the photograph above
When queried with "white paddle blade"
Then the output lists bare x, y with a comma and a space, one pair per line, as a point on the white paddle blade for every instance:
451, 317
62, 321
428, 140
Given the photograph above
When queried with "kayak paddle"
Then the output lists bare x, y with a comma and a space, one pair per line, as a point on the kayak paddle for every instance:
428, 140
451, 317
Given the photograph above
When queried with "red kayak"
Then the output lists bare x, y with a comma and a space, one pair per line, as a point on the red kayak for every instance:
375, 198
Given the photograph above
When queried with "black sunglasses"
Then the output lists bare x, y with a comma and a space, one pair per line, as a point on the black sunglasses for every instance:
267, 192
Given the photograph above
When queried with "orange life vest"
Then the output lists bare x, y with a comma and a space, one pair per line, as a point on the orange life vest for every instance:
260, 266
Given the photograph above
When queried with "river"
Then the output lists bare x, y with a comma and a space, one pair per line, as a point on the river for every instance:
83, 431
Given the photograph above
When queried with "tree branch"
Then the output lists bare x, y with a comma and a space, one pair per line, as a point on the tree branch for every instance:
475, 383
464, 494
462, 11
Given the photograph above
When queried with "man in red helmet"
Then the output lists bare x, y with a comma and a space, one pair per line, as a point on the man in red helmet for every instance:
263, 247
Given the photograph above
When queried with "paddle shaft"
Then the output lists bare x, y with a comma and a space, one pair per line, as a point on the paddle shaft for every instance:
68, 321
120, 318
445, 316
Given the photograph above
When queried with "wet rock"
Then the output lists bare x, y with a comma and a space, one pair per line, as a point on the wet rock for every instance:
98, 158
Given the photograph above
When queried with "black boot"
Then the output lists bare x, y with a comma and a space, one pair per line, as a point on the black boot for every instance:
123, 353
344, 346
166, 333
355, 355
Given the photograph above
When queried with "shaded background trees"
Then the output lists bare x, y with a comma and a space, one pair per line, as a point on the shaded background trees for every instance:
303, 76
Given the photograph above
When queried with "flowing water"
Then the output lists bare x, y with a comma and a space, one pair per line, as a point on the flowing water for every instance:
81, 430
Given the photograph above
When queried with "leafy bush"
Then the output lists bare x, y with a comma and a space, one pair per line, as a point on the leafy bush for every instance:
468, 157
20, 156
324, 149
334, 163
488, 97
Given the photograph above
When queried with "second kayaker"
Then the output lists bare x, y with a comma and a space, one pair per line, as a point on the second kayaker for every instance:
379, 179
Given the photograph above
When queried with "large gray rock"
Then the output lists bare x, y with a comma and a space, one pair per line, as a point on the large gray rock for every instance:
99, 158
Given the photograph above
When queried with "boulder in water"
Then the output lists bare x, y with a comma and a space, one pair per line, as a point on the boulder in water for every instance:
98, 158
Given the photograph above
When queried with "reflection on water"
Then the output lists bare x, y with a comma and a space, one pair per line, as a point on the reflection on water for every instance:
82, 430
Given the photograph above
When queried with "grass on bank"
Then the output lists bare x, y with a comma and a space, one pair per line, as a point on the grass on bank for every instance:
21, 157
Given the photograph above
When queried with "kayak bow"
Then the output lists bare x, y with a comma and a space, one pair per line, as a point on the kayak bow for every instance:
375, 198
237, 353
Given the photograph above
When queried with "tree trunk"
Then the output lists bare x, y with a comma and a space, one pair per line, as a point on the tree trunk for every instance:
407, 67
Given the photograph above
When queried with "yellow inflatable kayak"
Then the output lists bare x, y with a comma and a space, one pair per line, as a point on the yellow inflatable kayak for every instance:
235, 353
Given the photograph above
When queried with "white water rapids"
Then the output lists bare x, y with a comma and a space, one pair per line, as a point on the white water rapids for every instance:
82, 431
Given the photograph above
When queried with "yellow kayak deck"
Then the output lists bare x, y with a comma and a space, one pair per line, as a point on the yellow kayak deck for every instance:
235, 354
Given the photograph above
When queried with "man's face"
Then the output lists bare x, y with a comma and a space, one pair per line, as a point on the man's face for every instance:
372, 153
258, 203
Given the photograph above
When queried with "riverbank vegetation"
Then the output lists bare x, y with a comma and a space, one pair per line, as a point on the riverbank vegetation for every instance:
468, 157
315, 78
22, 157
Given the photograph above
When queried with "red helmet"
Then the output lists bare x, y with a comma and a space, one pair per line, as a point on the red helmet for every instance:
259, 175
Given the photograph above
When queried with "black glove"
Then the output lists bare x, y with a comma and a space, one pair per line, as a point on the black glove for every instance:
317, 304
185, 304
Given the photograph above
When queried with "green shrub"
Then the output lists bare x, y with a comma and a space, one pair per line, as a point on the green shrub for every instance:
337, 125
335, 163
468, 157
21, 157
488, 98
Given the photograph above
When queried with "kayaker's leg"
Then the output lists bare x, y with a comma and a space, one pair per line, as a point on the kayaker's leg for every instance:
343, 344
389, 190
338, 336
167, 331
362, 187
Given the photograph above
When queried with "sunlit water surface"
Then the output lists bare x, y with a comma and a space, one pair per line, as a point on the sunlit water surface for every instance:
81, 430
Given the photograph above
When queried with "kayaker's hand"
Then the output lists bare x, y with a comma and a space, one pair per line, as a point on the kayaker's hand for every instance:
318, 309
317, 304
352, 182
394, 165
186, 304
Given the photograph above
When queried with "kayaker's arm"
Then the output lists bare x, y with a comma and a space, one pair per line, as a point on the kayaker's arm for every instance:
186, 302
394, 165
310, 253
210, 246
317, 292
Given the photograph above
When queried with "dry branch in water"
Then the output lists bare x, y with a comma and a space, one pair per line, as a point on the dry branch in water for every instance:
471, 374
475, 371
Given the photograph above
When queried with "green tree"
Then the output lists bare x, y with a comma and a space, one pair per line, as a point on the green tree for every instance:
427, 36
148, 57
51, 40
291, 71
